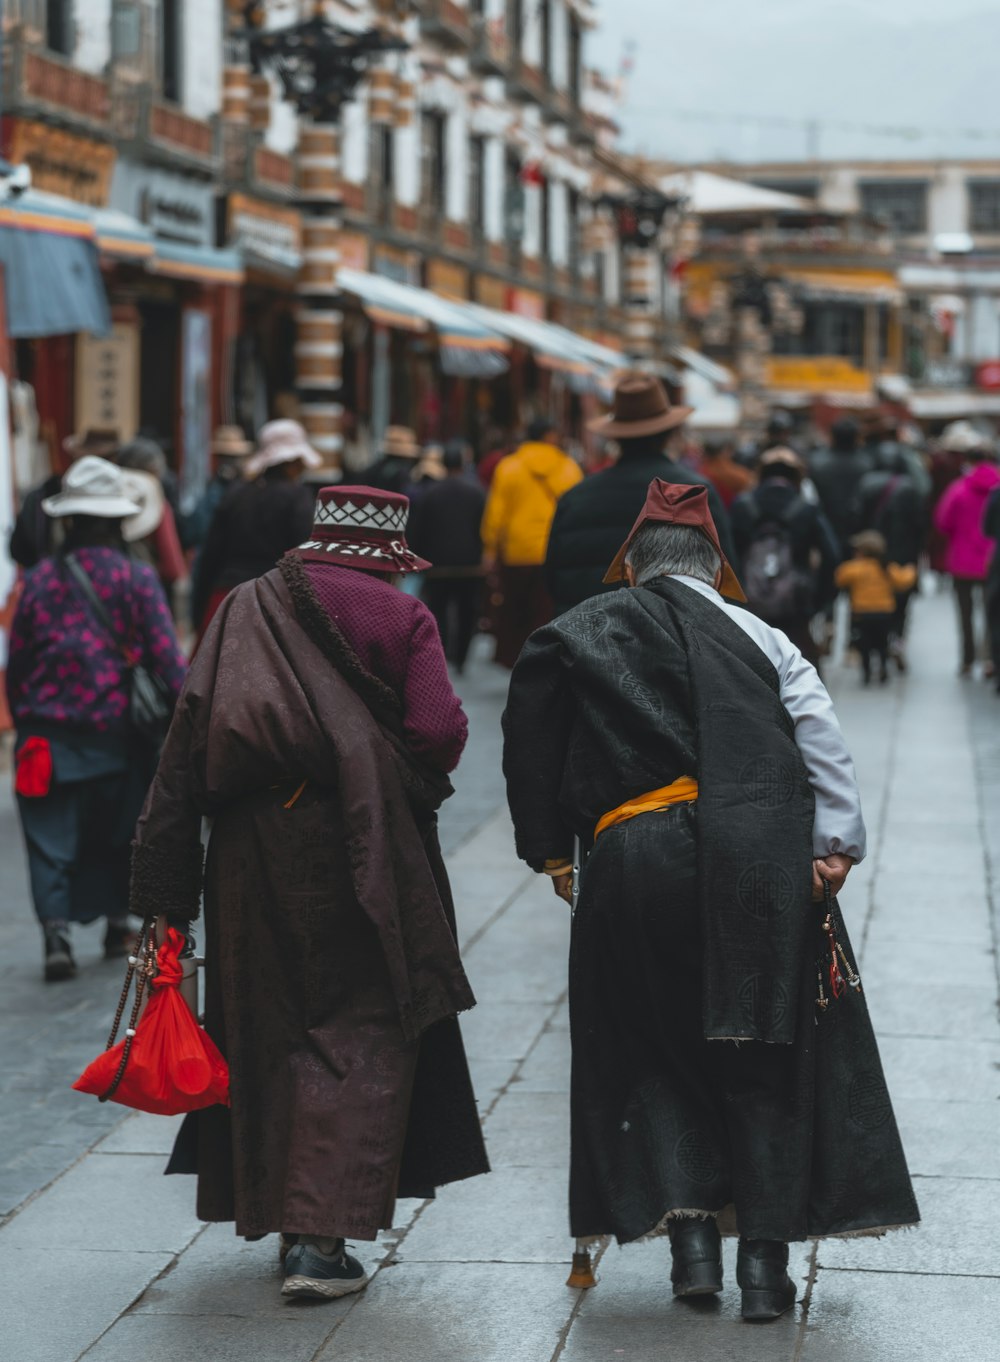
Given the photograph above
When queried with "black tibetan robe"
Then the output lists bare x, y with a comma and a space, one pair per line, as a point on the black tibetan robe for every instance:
695, 929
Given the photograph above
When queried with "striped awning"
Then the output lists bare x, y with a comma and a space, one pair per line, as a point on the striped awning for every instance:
588, 364
52, 277
469, 348
122, 237
197, 264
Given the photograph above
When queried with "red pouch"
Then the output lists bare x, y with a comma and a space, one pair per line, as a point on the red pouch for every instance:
173, 1065
33, 767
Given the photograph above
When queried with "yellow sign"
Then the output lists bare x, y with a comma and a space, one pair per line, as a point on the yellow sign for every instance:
63, 163
816, 374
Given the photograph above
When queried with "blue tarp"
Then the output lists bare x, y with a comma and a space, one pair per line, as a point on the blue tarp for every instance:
52, 278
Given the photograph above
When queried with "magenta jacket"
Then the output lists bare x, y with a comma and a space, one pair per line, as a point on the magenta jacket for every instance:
959, 517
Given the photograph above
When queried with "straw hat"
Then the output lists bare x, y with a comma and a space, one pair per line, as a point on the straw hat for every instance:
400, 441
640, 407
962, 437
281, 442
229, 442
95, 487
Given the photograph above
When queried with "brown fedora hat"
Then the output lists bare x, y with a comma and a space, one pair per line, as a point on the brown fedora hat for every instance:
640, 407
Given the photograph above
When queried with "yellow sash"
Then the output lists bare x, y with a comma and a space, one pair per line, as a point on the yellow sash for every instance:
682, 791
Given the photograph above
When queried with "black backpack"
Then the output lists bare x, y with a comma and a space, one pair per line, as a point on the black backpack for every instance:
778, 590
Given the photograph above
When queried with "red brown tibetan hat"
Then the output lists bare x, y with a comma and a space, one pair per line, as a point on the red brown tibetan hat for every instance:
362, 527
671, 503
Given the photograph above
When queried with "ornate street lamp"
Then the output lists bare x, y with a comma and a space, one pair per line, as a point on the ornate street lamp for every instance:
320, 65
639, 219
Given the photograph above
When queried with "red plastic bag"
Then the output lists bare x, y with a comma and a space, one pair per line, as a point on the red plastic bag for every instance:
173, 1065
33, 766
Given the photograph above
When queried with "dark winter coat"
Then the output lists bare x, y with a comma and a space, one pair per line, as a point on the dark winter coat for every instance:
892, 504
254, 524
813, 544
836, 475
444, 524
592, 521
33, 536
333, 975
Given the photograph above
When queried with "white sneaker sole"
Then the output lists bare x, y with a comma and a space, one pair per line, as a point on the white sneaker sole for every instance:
331, 1290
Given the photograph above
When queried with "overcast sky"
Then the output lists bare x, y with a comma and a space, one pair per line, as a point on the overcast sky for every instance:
705, 70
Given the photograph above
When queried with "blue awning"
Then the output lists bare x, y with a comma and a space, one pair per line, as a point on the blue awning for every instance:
52, 277
199, 264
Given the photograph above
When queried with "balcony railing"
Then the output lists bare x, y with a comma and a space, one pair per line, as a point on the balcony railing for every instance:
447, 23
490, 53
41, 83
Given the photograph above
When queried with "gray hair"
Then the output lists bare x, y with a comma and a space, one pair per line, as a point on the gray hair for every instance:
672, 550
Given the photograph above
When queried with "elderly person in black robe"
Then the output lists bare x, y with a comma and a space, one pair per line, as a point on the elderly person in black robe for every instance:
695, 755
316, 729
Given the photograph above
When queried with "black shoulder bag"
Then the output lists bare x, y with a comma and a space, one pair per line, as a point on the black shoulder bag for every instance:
151, 704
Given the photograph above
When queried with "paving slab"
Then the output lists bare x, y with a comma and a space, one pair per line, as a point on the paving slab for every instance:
959, 1231
884, 1317
961, 1011
504, 1030
632, 1315
547, 1068
942, 1070
142, 1133
293, 1336
529, 1130
488, 1312
950, 1139
513, 1215
910, 963
56, 1300
110, 1201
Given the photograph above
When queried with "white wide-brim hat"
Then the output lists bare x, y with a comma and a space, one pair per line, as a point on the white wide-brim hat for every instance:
93, 486
281, 442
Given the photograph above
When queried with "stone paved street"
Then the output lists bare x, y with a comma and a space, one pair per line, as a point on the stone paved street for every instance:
102, 1258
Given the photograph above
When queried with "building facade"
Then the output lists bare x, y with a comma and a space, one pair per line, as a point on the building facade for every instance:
445, 251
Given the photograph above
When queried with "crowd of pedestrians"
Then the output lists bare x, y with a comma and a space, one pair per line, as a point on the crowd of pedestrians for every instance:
315, 724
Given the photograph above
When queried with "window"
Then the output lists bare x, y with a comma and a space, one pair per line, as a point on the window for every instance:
170, 49
382, 148
834, 329
515, 24
545, 24
984, 205
901, 204
513, 206
573, 233
545, 222
59, 27
575, 58
433, 160
477, 186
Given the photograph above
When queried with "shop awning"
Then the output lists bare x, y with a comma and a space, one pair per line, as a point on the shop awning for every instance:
948, 404
52, 277
716, 374
588, 364
123, 237
469, 348
198, 264
846, 286
267, 258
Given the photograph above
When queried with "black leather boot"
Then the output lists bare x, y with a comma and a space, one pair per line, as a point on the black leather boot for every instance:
762, 1273
696, 1246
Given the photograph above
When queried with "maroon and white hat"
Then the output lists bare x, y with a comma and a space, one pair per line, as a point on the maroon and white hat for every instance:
364, 528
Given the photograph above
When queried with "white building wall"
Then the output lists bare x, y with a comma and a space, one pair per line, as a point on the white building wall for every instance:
407, 170
559, 226
201, 61
560, 44
354, 141
948, 208
493, 193
457, 167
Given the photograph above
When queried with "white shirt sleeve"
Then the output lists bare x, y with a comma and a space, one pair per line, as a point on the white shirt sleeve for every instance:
838, 826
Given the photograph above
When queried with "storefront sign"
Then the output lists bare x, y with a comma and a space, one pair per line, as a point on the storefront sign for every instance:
175, 207
354, 250
526, 303
61, 162
988, 375
450, 280
107, 381
266, 229
823, 373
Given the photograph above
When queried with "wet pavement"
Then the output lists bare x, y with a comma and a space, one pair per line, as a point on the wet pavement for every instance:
101, 1257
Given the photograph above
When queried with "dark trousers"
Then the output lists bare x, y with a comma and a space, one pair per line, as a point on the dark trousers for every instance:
525, 606
872, 634
967, 591
993, 621
78, 839
455, 603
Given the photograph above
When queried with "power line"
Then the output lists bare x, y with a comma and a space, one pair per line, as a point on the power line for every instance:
909, 132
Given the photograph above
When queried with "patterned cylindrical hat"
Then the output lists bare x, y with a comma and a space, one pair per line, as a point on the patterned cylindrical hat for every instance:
364, 528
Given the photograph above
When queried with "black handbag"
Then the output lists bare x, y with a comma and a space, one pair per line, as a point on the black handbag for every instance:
151, 703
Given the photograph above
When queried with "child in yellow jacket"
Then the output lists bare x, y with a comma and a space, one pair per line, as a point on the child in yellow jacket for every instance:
873, 585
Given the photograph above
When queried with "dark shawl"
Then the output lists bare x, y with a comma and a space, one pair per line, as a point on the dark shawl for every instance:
316, 715
625, 694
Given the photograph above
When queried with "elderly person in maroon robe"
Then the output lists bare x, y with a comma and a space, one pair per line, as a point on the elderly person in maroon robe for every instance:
316, 729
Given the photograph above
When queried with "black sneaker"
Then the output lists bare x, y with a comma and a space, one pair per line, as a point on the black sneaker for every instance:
59, 962
321, 1268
